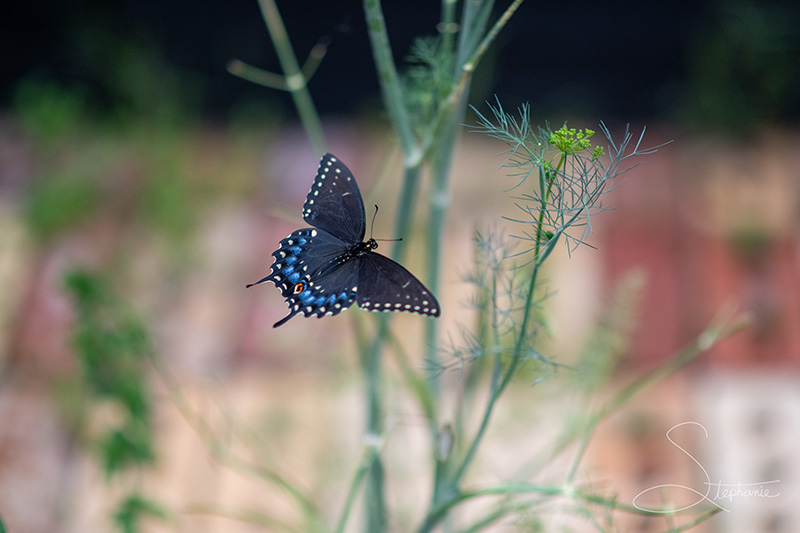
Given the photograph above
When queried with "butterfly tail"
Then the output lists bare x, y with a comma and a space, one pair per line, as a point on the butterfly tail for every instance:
285, 319
262, 280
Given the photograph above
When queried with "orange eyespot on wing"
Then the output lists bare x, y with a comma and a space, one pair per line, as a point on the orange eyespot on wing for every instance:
299, 287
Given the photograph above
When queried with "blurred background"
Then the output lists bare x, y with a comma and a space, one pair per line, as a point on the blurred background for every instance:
128, 150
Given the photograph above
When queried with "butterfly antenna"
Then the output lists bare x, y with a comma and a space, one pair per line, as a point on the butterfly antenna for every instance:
373, 225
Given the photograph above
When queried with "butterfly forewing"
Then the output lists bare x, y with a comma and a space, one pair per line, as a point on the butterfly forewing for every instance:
385, 285
334, 202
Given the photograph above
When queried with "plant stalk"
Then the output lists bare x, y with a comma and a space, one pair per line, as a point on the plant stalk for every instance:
295, 81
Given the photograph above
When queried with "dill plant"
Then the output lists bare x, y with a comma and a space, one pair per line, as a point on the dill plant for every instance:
560, 176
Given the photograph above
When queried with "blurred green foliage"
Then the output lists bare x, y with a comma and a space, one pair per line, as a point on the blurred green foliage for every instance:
130, 164
113, 347
427, 80
48, 110
133, 509
61, 202
63, 191
743, 69
164, 204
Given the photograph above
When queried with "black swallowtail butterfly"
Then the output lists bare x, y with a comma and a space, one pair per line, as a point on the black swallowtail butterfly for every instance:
324, 269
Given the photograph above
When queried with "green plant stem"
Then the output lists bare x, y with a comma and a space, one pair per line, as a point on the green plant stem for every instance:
370, 452
246, 516
416, 383
447, 24
444, 507
723, 325
497, 514
391, 86
488, 334
224, 455
500, 379
392, 90
295, 81
547, 492
405, 208
473, 25
464, 71
499, 385
468, 67
439, 202
445, 139
697, 521
257, 75
440, 134
277, 81
374, 497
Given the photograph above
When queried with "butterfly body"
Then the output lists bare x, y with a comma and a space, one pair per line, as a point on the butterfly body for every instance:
324, 269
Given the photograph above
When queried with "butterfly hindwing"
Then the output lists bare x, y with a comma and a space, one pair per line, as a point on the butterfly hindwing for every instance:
334, 202
298, 261
385, 285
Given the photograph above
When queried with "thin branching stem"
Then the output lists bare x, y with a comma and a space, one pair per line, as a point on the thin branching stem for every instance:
468, 67
498, 383
367, 459
295, 81
722, 326
223, 453
374, 495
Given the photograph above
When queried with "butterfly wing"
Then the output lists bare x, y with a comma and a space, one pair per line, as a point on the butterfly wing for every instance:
334, 202
384, 285
298, 260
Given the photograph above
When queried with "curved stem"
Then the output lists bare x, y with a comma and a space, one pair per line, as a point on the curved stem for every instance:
295, 81
391, 87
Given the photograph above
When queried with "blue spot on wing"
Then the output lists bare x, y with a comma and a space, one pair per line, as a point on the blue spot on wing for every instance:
306, 296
